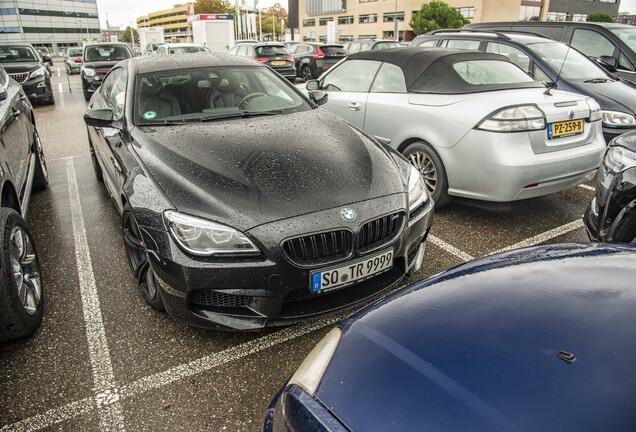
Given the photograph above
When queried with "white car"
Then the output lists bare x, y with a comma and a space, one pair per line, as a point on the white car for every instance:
181, 48
474, 124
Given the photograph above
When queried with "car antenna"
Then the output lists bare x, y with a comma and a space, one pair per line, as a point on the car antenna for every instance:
554, 84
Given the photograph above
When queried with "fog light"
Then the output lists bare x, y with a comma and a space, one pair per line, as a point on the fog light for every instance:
41, 85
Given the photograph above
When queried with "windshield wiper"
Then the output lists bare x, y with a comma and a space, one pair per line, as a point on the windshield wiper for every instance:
168, 122
242, 114
597, 80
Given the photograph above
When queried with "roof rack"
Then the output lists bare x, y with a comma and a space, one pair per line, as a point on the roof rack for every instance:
500, 33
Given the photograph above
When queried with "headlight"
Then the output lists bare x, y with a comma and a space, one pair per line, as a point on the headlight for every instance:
418, 194
618, 159
204, 238
89, 72
514, 119
38, 72
618, 119
595, 110
311, 370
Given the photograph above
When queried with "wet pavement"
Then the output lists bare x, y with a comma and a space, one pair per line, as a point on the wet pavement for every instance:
103, 360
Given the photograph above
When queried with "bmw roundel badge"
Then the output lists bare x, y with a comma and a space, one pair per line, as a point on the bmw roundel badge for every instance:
348, 215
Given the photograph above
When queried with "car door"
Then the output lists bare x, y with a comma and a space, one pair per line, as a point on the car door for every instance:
348, 86
111, 95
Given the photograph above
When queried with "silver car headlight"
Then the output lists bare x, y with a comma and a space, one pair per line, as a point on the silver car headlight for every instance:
514, 119
418, 194
38, 72
205, 238
311, 370
618, 159
618, 119
89, 72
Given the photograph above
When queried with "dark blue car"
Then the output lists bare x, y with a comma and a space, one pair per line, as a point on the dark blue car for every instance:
553, 62
538, 339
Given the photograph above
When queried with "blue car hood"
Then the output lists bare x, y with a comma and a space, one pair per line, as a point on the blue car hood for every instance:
477, 348
611, 95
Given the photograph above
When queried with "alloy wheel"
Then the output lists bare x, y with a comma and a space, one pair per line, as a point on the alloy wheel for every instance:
306, 73
40, 154
25, 270
425, 166
138, 257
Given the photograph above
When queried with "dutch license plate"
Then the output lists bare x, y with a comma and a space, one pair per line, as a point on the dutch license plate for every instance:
278, 63
339, 277
571, 127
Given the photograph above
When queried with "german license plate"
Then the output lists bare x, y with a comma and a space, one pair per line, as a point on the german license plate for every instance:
350, 273
278, 63
565, 128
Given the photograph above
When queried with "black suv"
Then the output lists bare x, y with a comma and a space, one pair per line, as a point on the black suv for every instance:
312, 59
554, 64
274, 55
23, 64
98, 60
22, 167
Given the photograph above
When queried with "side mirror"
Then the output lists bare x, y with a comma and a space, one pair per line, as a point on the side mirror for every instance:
312, 85
608, 62
99, 117
3, 92
319, 97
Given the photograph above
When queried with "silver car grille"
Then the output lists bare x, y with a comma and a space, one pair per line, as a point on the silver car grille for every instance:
19, 77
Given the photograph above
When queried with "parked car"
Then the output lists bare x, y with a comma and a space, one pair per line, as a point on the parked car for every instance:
531, 340
357, 46
612, 45
556, 65
181, 48
46, 55
22, 167
73, 60
474, 124
312, 59
98, 59
152, 47
23, 64
231, 221
275, 56
611, 216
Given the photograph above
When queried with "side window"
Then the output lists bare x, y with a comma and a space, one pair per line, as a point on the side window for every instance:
242, 50
118, 95
389, 79
514, 55
234, 50
540, 76
625, 64
351, 76
592, 44
427, 43
365, 47
354, 48
462, 44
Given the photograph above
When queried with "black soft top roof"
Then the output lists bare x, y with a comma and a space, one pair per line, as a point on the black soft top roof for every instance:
431, 70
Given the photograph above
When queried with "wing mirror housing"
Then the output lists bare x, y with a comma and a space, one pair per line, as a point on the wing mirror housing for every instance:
99, 117
312, 85
318, 97
608, 62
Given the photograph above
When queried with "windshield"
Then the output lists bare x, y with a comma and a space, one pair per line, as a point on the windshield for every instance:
272, 51
187, 49
627, 35
567, 62
105, 53
213, 93
385, 45
17, 54
75, 52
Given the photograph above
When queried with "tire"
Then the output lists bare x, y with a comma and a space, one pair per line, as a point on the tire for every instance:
41, 178
429, 164
87, 95
21, 301
51, 100
98, 169
626, 232
305, 73
137, 256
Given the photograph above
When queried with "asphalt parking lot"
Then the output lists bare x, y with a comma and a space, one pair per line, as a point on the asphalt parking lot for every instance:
103, 360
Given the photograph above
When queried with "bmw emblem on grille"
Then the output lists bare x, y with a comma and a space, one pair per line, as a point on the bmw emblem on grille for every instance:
348, 215
571, 114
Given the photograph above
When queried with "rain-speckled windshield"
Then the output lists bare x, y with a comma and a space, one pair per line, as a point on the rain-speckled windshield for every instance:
490, 72
567, 62
9, 54
96, 53
213, 93
627, 35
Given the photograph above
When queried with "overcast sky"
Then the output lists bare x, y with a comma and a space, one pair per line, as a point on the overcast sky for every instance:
125, 12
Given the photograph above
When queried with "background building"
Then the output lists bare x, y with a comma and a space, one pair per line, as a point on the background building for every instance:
112, 34
578, 10
55, 24
174, 22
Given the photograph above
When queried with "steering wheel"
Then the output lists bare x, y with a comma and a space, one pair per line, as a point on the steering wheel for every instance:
250, 97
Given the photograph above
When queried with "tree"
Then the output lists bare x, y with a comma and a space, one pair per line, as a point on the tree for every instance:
436, 15
213, 7
126, 36
600, 17
276, 12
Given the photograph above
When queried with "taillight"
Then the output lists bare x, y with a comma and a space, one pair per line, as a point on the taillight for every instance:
514, 119
290, 59
319, 55
77, 59
262, 59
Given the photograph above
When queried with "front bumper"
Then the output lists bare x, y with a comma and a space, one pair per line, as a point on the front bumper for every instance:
37, 88
91, 84
254, 293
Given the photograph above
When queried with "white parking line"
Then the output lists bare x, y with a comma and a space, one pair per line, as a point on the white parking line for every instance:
588, 187
52, 417
58, 72
107, 398
450, 248
544, 237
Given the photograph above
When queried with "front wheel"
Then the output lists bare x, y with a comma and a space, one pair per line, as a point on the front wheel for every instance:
20, 281
139, 261
429, 164
626, 232
87, 95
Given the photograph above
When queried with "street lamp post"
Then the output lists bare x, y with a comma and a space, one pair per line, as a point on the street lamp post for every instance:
396, 25
273, 26
260, 25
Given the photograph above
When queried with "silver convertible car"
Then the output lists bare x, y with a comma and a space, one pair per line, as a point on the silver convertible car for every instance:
474, 124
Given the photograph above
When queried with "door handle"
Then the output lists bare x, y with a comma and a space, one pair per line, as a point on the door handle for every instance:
354, 106
15, 112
